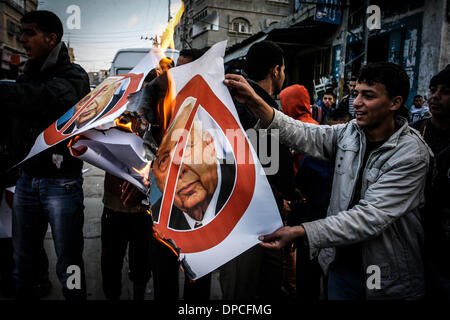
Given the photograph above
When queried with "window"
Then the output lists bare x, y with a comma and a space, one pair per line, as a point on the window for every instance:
240, 25
11, 28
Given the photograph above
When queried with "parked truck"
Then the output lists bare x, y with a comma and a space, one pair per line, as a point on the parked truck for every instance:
126, 59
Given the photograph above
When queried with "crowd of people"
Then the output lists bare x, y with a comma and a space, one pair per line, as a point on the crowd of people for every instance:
362, 186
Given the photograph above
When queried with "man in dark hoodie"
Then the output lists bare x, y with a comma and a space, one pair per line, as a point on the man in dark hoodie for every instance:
49, 189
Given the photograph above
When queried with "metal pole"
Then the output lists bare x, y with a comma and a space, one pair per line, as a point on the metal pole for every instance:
366, 34
169, 17
344, 49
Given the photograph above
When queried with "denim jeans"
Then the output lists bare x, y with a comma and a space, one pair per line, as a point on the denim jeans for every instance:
37, 202
344, 284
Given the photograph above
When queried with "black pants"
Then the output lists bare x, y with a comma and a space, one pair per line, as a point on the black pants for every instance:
6, 266
308, 275
165, 268
120, 229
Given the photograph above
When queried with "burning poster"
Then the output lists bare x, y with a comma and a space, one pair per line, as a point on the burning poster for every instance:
100, 109
215, 200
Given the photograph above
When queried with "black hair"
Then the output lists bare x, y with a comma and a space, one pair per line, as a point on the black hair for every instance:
339, 114
331, 93
46, 21
392, 76
192, 54
261, 57
417, 96
353, 78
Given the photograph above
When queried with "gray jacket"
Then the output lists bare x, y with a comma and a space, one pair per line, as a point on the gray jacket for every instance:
386, 220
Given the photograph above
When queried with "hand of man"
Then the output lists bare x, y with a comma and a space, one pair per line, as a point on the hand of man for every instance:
281, 237
243, 92
240, 89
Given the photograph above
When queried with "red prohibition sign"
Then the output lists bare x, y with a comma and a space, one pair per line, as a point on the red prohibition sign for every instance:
213, 233
52, 135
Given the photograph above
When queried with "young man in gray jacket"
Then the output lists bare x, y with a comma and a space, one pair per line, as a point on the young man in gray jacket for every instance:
372, 239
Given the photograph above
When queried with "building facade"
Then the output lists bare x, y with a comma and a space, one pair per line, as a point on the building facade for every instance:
206, 22
414, 34
11, 51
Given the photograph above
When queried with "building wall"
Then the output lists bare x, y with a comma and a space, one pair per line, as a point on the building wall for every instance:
258, 13
9, 12
435, 49
11, 51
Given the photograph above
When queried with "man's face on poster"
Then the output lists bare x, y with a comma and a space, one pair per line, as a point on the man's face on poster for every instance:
95, 106
197, 177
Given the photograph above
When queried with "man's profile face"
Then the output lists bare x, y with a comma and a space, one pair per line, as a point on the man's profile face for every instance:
439, 100
279, 80
328, 100
197, 176
372, 105
418, 102
352, 87
36, 43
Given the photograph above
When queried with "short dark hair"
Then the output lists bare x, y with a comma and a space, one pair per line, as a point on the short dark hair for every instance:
392, 76
353, 78
417, 96
330, 93
337, 115
261, 57
192, 54
46, 21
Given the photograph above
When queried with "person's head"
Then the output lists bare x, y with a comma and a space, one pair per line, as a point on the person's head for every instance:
189, 55
439, 98
418, 101
197, 177
329, 99
383, 89
295, 102
41, 31
352, 85
95, 106
337, 116
265, 62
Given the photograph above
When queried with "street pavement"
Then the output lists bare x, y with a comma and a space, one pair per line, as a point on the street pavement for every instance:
93, 193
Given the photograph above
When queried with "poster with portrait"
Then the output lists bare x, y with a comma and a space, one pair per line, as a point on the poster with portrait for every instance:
99, 108
215, 200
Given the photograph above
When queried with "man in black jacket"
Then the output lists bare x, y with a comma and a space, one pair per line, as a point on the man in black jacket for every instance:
257, 273
49, 189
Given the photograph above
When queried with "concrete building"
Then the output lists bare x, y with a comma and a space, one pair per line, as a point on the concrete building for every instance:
414, 34
11, 51
206, 22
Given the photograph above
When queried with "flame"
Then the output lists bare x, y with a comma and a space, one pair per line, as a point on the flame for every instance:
167, 37
164, 110
145, 173
73, 140
127, 126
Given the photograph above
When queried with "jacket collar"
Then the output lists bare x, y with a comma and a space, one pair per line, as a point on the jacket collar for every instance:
402, 125
59, 52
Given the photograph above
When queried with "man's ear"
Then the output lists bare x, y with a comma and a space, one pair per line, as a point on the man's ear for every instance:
52, 39
397, 102
274, 71
209, 140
